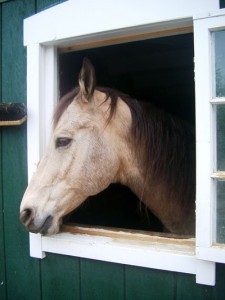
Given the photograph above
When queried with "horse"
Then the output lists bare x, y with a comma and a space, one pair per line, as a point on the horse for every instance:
102, 136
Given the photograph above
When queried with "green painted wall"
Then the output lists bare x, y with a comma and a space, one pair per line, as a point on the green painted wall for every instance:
222, 3
60, 277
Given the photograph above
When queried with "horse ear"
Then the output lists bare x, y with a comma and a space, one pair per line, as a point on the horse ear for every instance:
87, 80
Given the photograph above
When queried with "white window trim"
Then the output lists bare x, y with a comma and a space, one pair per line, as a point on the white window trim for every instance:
61, 26
206, 246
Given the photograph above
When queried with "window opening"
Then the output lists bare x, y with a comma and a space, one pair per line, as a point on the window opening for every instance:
159, 71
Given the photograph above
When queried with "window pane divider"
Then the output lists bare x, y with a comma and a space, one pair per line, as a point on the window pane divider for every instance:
218, 100
218, 175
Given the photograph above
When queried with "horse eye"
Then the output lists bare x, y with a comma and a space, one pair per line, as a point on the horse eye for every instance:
62, 142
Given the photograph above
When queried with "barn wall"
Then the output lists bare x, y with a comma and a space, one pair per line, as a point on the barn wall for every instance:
222, 3
60, 277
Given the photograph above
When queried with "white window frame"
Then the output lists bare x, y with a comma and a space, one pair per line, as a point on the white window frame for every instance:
206, 246
81, 23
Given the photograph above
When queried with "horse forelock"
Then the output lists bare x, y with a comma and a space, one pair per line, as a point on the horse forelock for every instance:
62, 105
164, 145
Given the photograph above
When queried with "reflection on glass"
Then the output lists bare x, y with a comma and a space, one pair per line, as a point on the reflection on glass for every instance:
220, 212
220, 63
220, 115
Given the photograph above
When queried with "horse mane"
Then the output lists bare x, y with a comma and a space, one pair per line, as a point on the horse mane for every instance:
164, 144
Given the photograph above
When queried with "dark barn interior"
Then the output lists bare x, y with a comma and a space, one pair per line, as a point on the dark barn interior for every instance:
160, 71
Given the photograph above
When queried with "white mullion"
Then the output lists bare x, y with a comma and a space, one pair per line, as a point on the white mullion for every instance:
41, 97
50, 93
205, 270
218, 175
203, 135
218, 100
33, 106
34, 96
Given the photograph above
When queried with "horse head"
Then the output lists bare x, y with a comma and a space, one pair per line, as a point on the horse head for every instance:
86, 153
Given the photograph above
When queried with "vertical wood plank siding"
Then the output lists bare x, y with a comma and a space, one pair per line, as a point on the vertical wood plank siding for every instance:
101, 280
187, 289
22, 273
44, 4
142, 283
60, 277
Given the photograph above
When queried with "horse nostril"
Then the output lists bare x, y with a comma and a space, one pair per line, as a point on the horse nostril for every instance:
26, 216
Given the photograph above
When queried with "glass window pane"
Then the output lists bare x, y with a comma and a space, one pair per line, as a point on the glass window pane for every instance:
219, 38
220, 115
220, 211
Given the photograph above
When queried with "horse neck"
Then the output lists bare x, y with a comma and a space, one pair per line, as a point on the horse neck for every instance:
175, 216
173, 206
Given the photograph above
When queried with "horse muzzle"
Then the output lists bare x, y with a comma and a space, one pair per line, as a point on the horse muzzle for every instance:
34, 224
